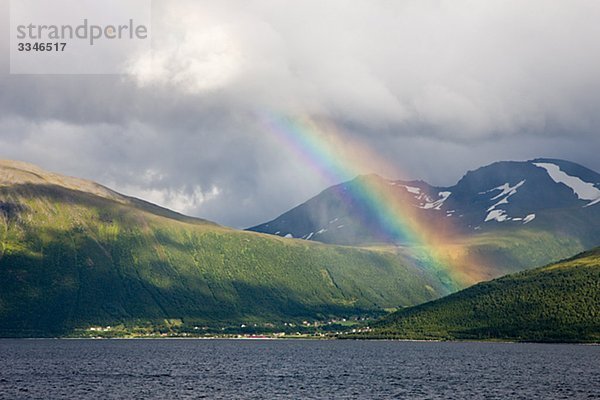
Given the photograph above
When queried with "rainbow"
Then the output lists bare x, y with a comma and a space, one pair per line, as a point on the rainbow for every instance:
337, 158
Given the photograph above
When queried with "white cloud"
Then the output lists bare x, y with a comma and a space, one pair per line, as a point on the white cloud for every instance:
179, 199
188, 55
459, 69
435, 87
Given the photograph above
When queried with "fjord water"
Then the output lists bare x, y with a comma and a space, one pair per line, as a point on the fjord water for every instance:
293, 369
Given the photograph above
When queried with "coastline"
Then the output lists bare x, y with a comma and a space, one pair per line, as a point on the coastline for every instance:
306, 338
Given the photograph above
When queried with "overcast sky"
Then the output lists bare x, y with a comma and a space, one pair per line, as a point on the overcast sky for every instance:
434, 87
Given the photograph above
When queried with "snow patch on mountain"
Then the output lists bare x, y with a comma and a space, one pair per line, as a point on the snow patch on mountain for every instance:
289, 236
498, 215
412, 189
501, 216
436, 205
593, 202
506, 191
583, 190
503, 201
495, 214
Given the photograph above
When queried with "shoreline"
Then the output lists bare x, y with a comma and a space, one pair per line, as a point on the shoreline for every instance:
491, 341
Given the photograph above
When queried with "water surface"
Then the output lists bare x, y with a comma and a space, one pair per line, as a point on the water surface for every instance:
295, 369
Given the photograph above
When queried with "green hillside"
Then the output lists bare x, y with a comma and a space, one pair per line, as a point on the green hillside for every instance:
75, 254
559, 302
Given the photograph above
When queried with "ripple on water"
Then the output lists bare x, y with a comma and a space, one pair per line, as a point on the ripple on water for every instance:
230, 369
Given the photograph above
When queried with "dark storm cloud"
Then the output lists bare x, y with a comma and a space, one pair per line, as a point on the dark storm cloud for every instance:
435, 87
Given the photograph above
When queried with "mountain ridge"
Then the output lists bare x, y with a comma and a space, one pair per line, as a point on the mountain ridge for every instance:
71, 259
557, 302
74, 254
23, 173
504, 192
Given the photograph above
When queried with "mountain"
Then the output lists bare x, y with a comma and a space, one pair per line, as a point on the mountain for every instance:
512, 214
504, 195
558, 302
541, 192
74, 254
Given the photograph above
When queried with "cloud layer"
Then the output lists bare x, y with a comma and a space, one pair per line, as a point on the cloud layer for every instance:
436, 87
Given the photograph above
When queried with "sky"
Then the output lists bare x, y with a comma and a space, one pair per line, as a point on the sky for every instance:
435, 88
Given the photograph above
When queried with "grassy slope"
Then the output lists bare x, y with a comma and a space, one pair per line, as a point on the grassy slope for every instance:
508, 251
70, 258
559, 302
490, 255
